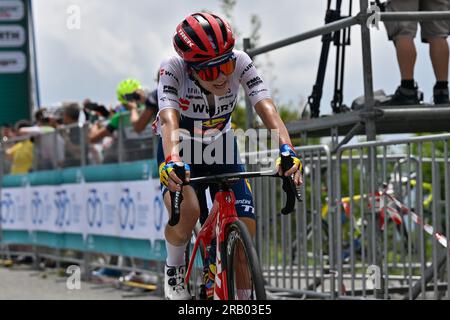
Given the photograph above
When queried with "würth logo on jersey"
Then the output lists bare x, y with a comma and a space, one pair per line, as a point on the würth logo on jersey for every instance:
184, 104
161, 73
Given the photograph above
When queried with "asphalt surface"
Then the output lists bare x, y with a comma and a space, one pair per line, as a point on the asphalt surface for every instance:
22, 283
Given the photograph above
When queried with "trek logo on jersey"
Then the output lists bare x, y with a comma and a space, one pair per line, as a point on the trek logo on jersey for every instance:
184, 36
254, 82
184, 104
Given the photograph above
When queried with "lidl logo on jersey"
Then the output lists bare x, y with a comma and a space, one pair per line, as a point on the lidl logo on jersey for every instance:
11, 10
12, 36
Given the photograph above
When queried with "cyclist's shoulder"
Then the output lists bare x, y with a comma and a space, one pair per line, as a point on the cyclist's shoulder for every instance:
174, 63
243, 61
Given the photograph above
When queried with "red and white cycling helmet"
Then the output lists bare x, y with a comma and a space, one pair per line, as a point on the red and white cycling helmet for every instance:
202, 37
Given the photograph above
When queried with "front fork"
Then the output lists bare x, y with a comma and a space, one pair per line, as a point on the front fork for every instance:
222, 214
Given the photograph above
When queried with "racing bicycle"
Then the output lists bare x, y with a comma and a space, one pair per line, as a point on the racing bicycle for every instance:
238, 273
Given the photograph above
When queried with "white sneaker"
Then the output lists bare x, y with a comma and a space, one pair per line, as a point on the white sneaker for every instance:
174, 286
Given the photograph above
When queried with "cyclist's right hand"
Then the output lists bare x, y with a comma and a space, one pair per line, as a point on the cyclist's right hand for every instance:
168, 177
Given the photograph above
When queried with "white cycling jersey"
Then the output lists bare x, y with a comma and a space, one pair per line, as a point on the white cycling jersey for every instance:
178, 91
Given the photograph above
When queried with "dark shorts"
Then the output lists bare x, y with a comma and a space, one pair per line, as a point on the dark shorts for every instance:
429, 29
241, 189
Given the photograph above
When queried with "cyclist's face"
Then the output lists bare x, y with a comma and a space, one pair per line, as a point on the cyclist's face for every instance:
218, 87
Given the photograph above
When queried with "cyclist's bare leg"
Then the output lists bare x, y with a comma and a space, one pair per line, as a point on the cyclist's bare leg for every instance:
180, 234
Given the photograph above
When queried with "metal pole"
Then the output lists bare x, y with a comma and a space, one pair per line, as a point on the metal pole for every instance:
367, 70
120, 137
248, 105
84, 150
415, 16
1, 188
33, 50
328, 28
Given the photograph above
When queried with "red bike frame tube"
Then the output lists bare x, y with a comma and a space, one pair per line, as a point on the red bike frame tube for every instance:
215, 226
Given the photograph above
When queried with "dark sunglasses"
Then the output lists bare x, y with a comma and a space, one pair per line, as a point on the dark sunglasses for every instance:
210, 70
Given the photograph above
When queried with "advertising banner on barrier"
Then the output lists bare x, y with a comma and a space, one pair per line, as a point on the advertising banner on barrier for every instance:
132, 209
14, 208
126, 209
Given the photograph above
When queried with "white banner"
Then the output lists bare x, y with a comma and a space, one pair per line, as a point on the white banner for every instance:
69, 208
132, 209
14, 209
12, 36
11, 10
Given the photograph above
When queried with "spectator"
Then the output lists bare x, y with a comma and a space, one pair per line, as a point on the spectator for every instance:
139, 102
49, 151
21, 154
132, 97
435, 33
7, 132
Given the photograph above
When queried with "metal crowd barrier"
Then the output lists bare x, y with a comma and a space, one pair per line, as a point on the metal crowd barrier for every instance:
68, 147
295, 252
391, 219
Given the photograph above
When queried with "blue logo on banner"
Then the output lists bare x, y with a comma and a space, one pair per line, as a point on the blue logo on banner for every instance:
94, 209
8, 209
62, 203
127, 210
158, 211
37, 208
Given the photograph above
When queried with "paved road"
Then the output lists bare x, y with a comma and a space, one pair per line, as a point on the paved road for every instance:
25, 284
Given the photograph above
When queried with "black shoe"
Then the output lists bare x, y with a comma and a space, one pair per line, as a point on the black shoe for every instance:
403, 96
441, 96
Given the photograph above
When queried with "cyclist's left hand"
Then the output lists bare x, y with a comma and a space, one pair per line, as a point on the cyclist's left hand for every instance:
297, 168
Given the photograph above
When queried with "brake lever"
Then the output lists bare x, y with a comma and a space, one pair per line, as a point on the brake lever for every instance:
177, 196
289, 187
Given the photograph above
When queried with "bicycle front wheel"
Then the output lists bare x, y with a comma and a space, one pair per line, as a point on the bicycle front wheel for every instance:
245, 280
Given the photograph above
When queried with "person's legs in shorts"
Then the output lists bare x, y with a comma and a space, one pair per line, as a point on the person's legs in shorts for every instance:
402, 33
435, 33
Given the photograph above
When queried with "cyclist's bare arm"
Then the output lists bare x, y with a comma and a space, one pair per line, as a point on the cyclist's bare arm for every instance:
269, 115
169, 120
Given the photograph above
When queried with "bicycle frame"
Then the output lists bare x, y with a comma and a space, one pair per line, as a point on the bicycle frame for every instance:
222, 214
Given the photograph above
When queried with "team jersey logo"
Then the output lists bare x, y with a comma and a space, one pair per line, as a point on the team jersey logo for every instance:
184, 104
214, 123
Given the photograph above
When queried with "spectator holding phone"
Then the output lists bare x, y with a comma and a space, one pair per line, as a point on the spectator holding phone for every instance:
135, 99
132, 97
